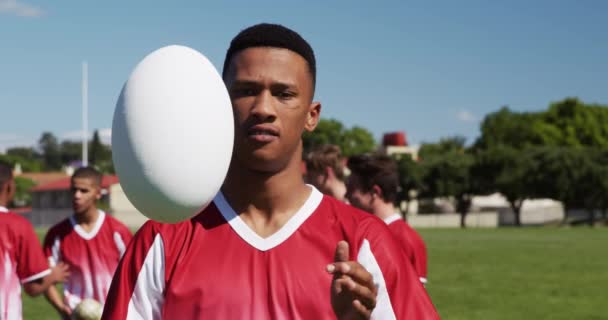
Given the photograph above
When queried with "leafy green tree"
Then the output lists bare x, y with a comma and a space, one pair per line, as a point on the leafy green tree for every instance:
23, 196
445, 145
449, 175
568, 122
504, 169
580, 124
357, 140
96, 149
410, 178
70, 151
514, 129
27, 165
49, 146
570, 175
351, 141
24, 153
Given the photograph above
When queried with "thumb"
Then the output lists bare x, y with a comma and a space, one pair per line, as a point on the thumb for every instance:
341, 254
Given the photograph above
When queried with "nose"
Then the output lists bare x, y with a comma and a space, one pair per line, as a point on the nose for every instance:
263, 107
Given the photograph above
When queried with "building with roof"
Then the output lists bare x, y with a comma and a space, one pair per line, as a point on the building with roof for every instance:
52, 202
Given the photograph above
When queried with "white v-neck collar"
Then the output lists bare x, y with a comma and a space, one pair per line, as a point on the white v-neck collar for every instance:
392, 218
3, 209
88, 235
263, 244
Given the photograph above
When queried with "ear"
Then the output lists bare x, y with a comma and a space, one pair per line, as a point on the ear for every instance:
377, 191
313, 116
329, 172
11, 188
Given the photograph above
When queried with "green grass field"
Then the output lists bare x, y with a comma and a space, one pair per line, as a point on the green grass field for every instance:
529, 273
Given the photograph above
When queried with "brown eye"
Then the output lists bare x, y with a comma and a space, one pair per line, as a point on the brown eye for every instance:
243, 92
284, 95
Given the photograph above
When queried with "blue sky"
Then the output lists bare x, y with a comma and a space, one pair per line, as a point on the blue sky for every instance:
429, 68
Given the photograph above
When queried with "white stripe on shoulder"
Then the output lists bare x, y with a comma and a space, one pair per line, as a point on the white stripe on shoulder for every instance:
55, 253
37, 276
147, 299
120, 244
384, 308
392, 218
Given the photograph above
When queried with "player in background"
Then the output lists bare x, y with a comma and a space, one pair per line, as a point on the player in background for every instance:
373, 186
90, 241
21, 259
326, 171
263, 249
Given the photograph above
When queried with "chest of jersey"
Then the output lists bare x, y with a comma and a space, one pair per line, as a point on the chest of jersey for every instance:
90, 255
288, 281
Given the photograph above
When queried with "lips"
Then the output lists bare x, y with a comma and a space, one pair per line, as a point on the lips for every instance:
263, 133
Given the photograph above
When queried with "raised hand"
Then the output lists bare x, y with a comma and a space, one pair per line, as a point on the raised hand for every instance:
353, 293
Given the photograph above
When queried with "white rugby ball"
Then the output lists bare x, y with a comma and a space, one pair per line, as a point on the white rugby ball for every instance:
87, 309
172, 134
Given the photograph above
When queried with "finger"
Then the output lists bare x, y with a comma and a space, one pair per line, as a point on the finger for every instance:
341, 251
363, 312
339, 285
359, 292
354, 270
338, 267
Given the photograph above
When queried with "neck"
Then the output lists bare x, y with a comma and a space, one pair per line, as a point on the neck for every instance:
265, 201
88, 217
384, 210
3, 202
338, 190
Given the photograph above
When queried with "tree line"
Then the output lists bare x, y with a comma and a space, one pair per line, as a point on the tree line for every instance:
559, 153
50, 154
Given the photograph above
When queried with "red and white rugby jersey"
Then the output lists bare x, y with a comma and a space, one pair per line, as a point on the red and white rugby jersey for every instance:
92, 257
215, 267
21, 261
411, 241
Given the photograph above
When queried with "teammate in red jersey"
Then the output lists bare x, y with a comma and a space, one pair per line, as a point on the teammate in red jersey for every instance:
264, 248
21, 259
325, 170
372, 186
90, 241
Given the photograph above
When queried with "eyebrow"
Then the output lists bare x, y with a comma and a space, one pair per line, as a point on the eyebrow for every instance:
254, 83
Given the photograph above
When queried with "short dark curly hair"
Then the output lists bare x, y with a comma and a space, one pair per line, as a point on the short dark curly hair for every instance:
274, 36
88, 173
376, 169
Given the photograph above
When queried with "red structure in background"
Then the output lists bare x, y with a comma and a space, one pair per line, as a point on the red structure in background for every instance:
394, 139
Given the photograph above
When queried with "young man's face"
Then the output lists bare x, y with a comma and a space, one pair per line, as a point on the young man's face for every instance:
357, 196
85, 193
271, 91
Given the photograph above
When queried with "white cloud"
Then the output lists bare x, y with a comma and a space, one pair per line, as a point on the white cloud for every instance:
20, 9
466, 116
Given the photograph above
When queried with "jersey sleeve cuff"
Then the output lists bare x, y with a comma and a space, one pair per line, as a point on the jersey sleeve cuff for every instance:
36, 276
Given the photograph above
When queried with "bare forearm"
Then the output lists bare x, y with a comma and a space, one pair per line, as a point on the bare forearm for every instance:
39, 286
53, 296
